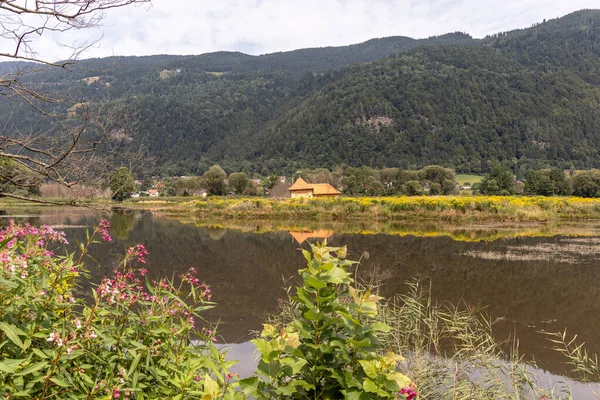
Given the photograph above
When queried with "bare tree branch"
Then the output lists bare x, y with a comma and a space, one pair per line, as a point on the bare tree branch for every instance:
79, 140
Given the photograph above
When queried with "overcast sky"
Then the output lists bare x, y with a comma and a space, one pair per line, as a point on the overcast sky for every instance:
266, 26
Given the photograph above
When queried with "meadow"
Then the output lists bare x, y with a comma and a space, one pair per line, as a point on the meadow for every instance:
449, 208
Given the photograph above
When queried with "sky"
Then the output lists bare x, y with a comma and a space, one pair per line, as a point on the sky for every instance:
267, 26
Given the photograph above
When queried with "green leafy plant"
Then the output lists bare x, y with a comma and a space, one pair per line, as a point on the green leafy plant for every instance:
331, 350
131, 338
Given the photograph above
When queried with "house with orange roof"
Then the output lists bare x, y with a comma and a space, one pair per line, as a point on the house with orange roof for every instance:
301, 188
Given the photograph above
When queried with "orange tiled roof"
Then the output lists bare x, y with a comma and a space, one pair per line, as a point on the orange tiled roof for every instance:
317, 188
301, 184
324, 188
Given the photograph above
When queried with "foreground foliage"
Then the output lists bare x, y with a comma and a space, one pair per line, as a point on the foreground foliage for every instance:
133, 338
331, 350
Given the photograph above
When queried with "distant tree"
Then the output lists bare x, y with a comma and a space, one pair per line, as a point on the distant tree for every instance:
239, 181
449, 187
121, 184
362, 181
146, 185
587, 183
435, 189
270, 181
215, 180
548, 182
414, 188
17, 180
437, 174
389, 179
500, 181
251, 189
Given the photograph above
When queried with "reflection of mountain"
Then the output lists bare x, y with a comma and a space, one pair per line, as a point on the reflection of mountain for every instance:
302, 236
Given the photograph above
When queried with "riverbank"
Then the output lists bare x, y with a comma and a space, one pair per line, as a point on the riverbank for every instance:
447, 208
399, 208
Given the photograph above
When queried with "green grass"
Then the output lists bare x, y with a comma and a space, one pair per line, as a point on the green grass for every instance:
466, 178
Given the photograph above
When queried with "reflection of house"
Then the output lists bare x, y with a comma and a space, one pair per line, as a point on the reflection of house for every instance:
301, 237
301, 188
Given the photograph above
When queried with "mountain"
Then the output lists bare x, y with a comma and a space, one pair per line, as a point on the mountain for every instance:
528, 98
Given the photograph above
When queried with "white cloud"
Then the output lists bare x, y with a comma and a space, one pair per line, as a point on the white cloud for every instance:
265, 26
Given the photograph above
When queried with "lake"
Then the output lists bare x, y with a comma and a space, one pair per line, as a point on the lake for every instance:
531, 278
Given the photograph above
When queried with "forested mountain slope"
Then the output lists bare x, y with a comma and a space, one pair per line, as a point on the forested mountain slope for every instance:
528, 98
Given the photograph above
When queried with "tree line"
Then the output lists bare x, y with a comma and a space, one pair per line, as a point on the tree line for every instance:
433, 180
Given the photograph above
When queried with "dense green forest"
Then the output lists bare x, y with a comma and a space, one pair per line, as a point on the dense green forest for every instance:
527, 99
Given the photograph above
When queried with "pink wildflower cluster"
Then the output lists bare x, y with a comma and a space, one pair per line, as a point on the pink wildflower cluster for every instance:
127, 289
69, 341
190, 277
139, 252
42, 234
410, 392
120, 288
117, 394
103, 228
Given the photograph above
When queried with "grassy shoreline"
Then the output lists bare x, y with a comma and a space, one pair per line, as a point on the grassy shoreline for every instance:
446, 208
398, 208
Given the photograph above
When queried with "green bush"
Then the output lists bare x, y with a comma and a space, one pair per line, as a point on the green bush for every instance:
332, 349
131, 339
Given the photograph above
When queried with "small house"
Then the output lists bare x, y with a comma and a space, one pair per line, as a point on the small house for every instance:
153, 193
301, 188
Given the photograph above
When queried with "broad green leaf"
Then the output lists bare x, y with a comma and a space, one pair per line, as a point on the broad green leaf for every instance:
337, 275
33, 368
12, 332
134, 364
370, 386
313, 315
380, 327
10, 366
39, 353
369, 368
314, 282
400, 379
211, 387
60, 382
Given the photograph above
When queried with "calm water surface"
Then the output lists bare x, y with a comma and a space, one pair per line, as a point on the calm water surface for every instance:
531, 278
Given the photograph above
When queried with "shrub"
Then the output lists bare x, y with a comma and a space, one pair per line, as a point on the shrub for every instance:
332, 348
587, 183
132, 339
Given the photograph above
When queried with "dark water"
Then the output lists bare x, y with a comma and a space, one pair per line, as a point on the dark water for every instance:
528, 283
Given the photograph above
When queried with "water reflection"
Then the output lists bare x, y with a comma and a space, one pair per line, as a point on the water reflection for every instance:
550, 285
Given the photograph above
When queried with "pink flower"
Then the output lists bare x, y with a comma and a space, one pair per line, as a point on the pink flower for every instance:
143, 271
409, 392
103, 228
139, 251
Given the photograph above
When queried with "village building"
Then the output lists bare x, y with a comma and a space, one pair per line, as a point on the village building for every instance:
153, 193
301, 188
